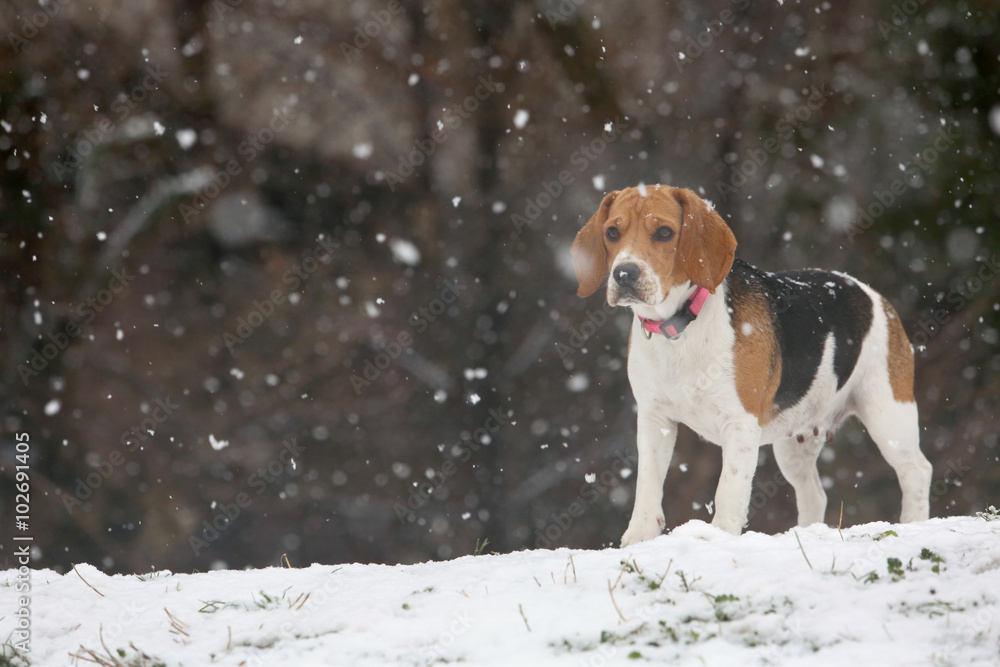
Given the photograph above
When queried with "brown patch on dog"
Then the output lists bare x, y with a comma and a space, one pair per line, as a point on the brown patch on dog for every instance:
700, 250
590, 254
637, 218
706, 246
756, 353
899, 359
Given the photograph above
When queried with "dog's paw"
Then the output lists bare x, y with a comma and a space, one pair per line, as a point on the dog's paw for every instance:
640, 531
732, 525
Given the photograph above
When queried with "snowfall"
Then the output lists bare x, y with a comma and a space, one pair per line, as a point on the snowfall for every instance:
914, 594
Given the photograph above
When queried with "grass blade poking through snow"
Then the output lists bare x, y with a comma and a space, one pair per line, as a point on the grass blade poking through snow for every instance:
803, 550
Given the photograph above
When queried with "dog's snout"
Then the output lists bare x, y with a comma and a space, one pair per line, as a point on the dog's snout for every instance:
626, 274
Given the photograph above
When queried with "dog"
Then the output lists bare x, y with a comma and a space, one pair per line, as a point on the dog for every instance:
745, 358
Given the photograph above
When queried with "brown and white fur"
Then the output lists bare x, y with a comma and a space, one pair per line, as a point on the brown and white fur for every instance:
772, 358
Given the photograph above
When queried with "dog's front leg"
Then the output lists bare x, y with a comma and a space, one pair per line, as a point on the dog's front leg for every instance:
732, 497
656, 439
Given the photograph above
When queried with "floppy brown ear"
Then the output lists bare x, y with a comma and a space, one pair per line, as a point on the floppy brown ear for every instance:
590, 257
706, 246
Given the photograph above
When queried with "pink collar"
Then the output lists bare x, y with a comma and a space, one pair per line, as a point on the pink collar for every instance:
673, 327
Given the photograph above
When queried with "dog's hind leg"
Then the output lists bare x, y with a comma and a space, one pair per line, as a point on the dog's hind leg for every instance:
894, 428
884, 402
797, 462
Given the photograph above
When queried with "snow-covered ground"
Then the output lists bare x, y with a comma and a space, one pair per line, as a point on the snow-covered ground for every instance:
916, 594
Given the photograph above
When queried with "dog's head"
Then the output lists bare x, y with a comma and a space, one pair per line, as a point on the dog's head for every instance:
651, 240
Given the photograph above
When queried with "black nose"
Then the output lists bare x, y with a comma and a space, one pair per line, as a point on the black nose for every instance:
626, 274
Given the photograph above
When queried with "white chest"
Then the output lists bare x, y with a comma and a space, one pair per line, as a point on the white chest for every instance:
689, 380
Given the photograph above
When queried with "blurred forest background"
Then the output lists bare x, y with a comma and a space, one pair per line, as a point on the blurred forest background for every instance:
273, 269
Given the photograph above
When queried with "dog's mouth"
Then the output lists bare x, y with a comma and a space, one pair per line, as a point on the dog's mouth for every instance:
657, 307
620, 295
623, 297
628, 300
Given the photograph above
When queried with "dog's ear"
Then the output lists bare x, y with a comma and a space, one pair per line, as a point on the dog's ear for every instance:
706, 246
590, 257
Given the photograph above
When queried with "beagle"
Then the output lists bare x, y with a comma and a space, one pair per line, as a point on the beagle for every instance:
744, 357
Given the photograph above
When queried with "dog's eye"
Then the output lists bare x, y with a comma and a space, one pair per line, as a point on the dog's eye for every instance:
613, 234
663, 234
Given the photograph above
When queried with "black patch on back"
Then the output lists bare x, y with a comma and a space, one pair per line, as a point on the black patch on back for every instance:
806, 307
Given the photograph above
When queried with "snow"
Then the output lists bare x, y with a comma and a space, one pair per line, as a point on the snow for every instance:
479, 373
578, 382
363, 150
186, 138
217, 445
695, 596
994, 119
404, 251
